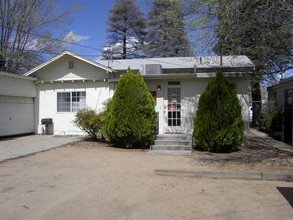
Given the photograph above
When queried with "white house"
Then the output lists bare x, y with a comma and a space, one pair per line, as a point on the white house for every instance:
69, 82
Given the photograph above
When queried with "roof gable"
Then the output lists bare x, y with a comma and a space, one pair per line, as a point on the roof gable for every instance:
70, 54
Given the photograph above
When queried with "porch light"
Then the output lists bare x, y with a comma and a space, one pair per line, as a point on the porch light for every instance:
159, 88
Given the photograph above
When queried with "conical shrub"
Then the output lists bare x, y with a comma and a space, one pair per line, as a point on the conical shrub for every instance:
130, 115
218, 125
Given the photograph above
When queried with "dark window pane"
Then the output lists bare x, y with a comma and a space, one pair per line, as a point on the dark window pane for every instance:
173, 114
174, 122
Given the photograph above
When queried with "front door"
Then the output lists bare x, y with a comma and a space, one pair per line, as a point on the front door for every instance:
173, 109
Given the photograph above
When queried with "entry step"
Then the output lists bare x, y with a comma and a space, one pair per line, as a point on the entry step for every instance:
172, 144
170, 152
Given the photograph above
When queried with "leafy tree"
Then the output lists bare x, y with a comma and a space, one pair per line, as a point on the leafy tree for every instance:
130, 115
218, 123
26, 28
126, 31
166, 35
260, 29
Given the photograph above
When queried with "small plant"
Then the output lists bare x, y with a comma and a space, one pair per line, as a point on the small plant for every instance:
218, 125
90, 122
270, 118
130, 115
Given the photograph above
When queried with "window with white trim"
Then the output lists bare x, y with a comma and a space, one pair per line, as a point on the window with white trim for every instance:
71, 101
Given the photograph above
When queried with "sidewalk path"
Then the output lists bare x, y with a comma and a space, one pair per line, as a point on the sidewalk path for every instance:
15, 147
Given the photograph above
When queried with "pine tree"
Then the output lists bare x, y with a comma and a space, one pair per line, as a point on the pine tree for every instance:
166, 35
130, 115
126, 31
218, 123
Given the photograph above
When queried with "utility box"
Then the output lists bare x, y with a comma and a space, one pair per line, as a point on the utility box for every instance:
49, 126
151, 69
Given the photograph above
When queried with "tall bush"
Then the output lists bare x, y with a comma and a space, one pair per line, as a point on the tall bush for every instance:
218, 123
130, 115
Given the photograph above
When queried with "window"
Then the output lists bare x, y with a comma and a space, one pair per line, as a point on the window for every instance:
71, 65
71, 101
174, 106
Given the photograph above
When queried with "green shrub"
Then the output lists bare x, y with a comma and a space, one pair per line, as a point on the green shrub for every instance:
218, 123
130, 115
270, 118
90, 122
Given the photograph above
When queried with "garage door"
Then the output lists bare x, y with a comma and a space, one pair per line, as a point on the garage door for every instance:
16, 115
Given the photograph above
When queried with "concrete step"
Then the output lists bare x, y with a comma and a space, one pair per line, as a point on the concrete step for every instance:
170, 152
173, 142
173, 137
172, 147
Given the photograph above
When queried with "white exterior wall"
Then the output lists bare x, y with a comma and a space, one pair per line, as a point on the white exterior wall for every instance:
14, 86
99, 92
192, 88
56, 77
96, 94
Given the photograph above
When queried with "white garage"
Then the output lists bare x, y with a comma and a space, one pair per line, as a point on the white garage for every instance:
17, 104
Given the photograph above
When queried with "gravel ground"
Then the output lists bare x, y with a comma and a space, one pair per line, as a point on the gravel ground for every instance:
88, 180
263, 153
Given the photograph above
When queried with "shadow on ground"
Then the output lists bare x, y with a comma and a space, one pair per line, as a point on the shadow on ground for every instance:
287, 192
260, 150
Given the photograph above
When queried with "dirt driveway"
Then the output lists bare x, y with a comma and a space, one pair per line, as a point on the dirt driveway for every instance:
87, 180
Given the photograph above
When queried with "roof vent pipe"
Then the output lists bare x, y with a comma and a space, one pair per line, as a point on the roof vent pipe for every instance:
221, 60
200, 60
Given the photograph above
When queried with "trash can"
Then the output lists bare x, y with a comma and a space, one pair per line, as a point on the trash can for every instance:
49, 126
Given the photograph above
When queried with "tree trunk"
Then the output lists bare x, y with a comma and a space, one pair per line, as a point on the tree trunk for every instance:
256, 101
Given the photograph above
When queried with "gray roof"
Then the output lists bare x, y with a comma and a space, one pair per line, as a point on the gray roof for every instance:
180, 62
289, 79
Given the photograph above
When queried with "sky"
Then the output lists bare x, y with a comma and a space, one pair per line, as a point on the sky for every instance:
87, 26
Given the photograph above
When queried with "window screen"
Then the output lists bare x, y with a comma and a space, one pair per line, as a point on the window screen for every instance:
71, 101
